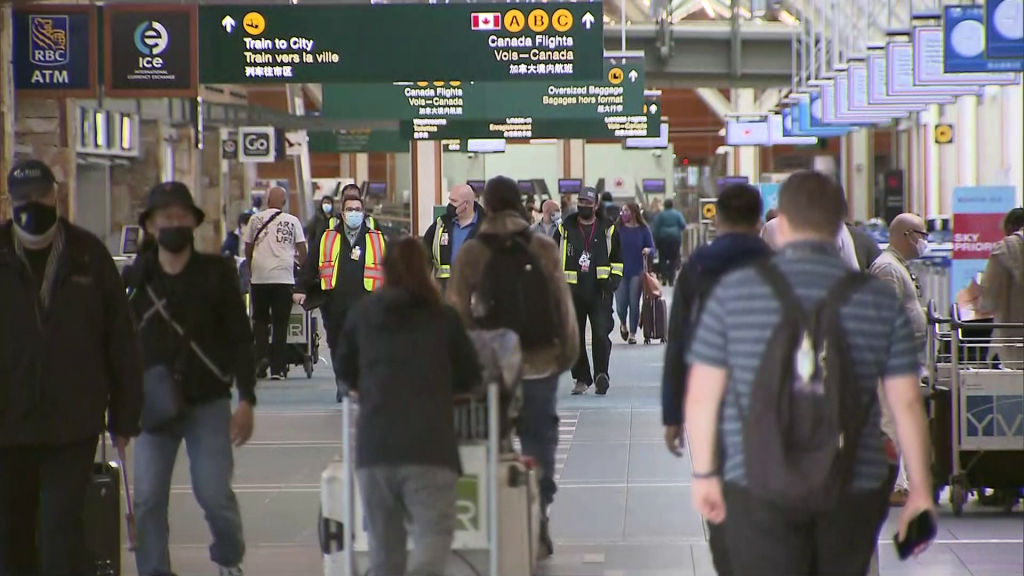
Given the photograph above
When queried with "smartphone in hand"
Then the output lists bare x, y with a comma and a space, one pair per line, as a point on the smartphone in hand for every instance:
920, 532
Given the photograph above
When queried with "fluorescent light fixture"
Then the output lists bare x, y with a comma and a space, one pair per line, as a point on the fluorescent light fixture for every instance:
127, 132
544, 141
100, 120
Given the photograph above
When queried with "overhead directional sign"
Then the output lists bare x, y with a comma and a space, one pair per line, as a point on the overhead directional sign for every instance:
352, 141
563, 99
383, 43
609, 126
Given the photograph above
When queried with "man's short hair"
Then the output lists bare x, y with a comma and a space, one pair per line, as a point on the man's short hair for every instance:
739, 206
501, 194
1013, 221
812, 202
669, 204
347, 196
350, 188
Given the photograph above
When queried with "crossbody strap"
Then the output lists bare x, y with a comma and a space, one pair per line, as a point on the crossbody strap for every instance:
160, 307
256, 236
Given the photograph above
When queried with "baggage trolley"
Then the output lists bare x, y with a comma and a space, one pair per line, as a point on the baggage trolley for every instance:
303, 338
977, 409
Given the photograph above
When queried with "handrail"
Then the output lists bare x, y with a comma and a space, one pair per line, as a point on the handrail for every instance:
932, 311
958, 323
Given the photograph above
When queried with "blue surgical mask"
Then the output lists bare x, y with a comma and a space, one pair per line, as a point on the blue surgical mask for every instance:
353, 219
328, 208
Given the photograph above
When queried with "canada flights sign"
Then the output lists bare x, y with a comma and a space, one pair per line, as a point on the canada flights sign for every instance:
55, 51
305, 43
150, 50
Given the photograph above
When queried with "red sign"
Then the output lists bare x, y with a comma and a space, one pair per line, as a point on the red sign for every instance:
974, 235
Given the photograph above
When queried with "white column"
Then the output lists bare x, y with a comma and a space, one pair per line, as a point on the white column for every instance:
747, 158
577, 168
989, 137
1013, 138
967, 142
426, 183
858, 181
345, 166
362, 173
946, 158
904, 138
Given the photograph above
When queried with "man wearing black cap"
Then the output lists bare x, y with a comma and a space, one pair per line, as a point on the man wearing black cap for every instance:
68, 355
196, 344
589, 248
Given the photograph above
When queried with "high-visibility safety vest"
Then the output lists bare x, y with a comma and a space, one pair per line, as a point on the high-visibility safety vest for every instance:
333, 222
603, 272
330, 253
442, 269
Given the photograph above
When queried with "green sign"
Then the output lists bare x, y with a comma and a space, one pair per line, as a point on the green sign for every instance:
353, 141
620, 91
612, 126
275, 44
467, 503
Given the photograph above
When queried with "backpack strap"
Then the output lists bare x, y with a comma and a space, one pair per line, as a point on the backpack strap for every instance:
840, 292
782, 289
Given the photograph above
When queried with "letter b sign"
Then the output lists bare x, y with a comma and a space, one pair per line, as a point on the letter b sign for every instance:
257, 144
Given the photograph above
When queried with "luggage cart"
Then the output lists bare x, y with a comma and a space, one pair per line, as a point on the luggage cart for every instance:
976, 409
303, 338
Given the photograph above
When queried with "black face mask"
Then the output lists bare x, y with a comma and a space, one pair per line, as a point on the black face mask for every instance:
450, 211
175, 240
586, 212
35, 218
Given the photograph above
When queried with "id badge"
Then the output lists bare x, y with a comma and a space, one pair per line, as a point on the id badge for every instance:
444, 239
585, 262
356, 252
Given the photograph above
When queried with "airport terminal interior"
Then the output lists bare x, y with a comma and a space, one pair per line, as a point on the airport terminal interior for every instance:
912, 105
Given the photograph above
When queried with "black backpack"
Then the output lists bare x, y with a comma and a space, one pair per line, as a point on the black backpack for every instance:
515, 293
801, 434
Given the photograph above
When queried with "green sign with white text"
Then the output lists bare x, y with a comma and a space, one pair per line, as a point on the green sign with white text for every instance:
611, 126
621, 91
309, 43
354, 141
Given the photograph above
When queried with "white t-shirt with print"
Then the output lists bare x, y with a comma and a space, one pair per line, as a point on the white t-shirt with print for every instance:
273, 259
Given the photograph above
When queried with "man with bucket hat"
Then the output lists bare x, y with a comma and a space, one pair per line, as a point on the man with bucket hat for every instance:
196, 344
69, 372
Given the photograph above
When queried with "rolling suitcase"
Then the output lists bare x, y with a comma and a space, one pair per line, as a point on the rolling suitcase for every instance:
653, 310
518, 519
103, 516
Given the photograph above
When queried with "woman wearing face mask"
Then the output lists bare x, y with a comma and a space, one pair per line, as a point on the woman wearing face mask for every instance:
636, 242
321, 220
194, 327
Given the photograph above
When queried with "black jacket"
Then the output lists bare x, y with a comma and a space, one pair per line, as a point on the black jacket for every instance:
406, 360
864, 246
61, 373
600, 253
705, 267
446, 227
204, 298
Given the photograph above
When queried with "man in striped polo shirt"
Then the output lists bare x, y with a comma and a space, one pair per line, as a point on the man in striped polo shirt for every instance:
763, 536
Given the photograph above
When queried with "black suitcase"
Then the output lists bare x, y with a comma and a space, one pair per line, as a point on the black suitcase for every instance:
103, 518
653, 318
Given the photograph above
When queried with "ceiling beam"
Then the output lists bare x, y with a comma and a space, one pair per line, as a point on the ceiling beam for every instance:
718, 103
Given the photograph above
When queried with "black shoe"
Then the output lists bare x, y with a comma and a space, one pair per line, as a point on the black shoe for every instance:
261, 368
601, 383
547, 547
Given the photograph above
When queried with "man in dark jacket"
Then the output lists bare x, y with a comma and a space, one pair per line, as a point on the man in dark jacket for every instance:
68, 356
737, 244
451, 230
193, 324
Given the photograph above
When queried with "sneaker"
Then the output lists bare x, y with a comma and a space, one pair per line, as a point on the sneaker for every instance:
632, 339
232, 571
602, 384
547, 547
276, 377
623, 332
898, 498
580, 388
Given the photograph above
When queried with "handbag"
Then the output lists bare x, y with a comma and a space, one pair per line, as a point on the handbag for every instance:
163, 397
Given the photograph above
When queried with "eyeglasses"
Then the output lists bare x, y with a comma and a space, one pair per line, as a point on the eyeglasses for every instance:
920, 233
353, 209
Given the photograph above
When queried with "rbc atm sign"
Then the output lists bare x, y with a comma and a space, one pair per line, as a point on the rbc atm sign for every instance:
55, 51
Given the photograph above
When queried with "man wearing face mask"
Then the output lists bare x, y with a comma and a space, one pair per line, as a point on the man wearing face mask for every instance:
69, 372
193, 324
343, 265
907, 241
350, 190
592, 263
452, 229
550, 220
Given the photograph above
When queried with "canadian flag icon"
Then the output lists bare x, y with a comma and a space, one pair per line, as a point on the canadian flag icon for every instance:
486, 21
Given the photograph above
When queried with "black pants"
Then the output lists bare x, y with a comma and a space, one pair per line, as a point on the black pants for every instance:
42, 499
598, 308
272, 306
668, 257
765, 539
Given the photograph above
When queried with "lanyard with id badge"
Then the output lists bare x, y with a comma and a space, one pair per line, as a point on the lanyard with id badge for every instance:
585, 258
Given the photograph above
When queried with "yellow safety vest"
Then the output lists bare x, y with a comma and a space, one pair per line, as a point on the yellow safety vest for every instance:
330, 252
333, 221
603, 272
441, 270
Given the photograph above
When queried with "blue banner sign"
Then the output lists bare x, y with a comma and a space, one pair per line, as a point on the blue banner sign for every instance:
965, 33
55, 51
1004, 29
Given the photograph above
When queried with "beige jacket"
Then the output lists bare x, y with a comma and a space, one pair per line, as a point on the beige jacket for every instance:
1002, 294
468, 268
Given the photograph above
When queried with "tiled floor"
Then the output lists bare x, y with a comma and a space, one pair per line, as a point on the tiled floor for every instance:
622, 509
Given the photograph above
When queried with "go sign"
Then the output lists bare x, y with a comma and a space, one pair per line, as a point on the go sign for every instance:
257, 144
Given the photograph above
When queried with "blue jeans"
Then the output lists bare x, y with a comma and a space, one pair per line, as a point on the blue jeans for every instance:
206, 430
538, 432
627, 298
